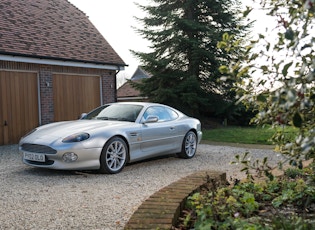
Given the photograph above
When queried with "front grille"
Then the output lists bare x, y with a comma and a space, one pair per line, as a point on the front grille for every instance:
49, 162
38, 148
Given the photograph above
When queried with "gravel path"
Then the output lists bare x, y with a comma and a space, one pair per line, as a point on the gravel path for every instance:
32, 198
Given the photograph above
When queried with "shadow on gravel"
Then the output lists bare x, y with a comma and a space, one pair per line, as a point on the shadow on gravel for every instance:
42, 172
153, 159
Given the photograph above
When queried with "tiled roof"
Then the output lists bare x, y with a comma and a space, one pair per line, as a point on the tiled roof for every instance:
140, 73
126, 90
53, 29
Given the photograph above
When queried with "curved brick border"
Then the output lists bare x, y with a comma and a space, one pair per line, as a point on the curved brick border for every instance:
163, 208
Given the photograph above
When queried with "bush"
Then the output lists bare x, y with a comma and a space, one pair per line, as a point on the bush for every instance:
282, 203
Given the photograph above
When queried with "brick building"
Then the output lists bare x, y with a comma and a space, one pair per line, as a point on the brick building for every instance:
54, 65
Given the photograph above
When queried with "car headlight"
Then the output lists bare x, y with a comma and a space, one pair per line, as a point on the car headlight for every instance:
76, 137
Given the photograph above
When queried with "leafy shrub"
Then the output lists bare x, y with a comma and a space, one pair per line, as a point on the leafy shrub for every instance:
281, 203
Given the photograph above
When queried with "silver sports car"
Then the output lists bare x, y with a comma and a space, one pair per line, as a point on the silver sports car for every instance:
110, 136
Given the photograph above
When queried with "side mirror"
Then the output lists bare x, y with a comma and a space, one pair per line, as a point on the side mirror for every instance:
82, 116
151, 119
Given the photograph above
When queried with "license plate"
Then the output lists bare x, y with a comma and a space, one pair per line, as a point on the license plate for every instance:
34, 157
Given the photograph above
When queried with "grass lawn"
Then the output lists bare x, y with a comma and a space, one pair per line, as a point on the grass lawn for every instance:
245, 135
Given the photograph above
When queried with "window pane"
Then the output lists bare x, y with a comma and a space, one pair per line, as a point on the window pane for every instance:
172, 114
158, 111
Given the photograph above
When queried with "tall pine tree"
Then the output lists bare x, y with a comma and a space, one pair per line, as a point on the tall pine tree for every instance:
185, 59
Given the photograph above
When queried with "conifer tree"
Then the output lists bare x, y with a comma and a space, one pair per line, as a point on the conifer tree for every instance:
184, 60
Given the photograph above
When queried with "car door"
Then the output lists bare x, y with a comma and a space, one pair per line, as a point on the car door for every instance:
160, 136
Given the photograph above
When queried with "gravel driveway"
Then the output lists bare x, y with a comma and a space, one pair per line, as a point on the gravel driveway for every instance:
32, 198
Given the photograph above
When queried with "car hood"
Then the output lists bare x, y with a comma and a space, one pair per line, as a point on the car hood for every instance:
66, 128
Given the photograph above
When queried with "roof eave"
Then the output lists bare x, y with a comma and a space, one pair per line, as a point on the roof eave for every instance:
60, 61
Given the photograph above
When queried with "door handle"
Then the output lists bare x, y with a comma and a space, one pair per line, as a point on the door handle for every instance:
5, 123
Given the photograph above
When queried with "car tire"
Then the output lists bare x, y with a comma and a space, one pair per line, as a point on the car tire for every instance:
114, 156
189, 146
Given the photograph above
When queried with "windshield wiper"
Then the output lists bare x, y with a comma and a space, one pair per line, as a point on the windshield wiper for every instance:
108, 118
102, 118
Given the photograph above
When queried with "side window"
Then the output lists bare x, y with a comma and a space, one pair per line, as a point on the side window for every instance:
172, 114
158, 111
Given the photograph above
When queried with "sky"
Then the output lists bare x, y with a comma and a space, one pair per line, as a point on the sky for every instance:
115, 21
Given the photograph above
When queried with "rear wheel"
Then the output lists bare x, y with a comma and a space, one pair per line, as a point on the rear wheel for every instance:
189, 146
114, 156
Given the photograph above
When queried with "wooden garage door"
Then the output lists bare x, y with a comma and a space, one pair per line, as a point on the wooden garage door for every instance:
18, 105
74, 95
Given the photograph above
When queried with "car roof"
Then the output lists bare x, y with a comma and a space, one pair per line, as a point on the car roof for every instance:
147, 104
138, 103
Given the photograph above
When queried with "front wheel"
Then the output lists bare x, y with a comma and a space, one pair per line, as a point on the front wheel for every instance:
189, 146
114, 156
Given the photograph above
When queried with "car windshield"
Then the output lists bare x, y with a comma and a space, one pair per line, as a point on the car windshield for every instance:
119, 112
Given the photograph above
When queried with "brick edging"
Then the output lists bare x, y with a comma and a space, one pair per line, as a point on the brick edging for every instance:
162, 209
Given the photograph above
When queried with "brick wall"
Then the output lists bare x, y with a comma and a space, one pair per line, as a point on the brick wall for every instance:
109, 87
46, 94
162, 209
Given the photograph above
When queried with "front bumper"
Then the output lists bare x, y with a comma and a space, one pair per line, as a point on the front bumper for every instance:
88, 159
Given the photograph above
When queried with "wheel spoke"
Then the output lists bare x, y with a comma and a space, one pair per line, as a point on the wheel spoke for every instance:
111, 163
115, 164
119, 147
